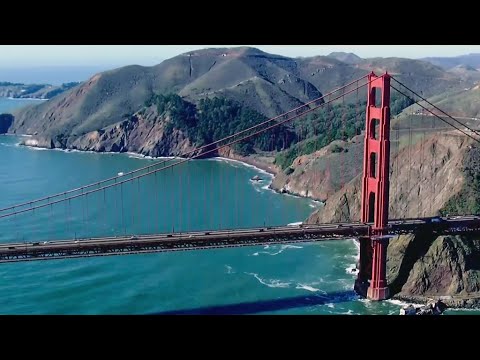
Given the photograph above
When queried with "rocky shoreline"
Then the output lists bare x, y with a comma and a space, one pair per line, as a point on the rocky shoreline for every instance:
452, 302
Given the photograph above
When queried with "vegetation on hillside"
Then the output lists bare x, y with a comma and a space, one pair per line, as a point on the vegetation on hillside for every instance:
337, 122
214, 119
467, 201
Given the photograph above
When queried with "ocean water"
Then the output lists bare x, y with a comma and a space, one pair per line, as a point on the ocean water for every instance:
7, 105
55, 75
313, 278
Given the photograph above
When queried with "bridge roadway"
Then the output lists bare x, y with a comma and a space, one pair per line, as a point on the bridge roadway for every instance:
138, 244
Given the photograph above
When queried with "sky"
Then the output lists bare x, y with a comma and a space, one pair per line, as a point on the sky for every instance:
27, 56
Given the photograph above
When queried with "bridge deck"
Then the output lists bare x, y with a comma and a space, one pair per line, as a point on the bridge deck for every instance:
122, 245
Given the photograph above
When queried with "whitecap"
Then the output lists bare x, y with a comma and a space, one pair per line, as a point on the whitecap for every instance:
309, 288
282, 249
397, 302
273, 283
222, 159
352, 269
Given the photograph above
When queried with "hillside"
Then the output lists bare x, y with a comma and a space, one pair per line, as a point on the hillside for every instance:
471, 60
465, 103
269, 84
423, 179
349, 58
169, 125
436, 175
444, 267
258, 80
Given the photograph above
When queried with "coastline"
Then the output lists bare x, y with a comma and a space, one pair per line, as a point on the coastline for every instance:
25, 98
263, 170
258, 165
453, 303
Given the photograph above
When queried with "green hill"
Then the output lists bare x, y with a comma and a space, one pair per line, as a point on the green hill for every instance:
266, 83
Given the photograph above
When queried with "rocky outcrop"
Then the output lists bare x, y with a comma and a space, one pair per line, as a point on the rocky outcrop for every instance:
145, 133
433, 307
321, 174
135, 135
423, 179
445, 268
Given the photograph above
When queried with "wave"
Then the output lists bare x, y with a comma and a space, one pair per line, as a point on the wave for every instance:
17, 135
345, 283
229, 269
273, 283
357, 247
352, 269
227, 160
35, 99
309, 288
262, 189
315, 203
134, 155
255, 184
282, 249
463, 309
137, 156
9, 145
295, 223
397, 302
34, 148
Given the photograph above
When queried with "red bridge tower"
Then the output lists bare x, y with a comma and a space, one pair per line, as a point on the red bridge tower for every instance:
372, 275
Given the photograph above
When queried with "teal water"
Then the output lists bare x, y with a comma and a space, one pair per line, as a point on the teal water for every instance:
311, 278
7, 105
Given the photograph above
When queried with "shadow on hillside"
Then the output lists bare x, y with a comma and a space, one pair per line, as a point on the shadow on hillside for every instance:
263, 306
415, 250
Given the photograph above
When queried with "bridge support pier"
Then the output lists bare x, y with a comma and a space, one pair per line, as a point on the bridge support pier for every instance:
378, 289
364, 266
372, 275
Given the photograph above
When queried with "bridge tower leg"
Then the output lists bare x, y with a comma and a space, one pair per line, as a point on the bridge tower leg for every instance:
372, 275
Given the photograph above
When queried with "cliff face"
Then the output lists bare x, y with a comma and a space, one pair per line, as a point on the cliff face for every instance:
321, 174
432, 175
423, 179
446, 267
146, 133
